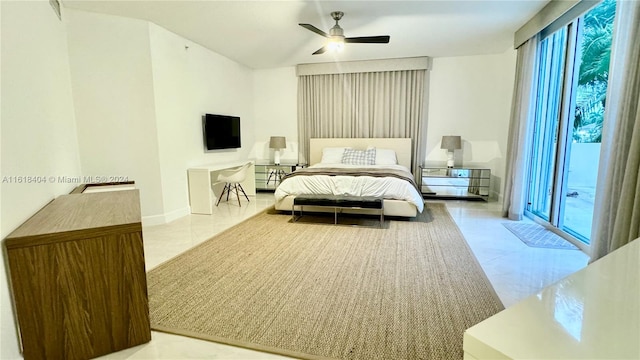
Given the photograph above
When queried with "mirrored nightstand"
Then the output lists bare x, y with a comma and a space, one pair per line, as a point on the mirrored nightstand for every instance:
455, 183
269, 175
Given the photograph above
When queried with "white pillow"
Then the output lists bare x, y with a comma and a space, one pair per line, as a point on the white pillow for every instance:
332, 155
386, 157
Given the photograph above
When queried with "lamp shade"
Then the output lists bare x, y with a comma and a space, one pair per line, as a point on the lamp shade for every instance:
451, 142
278, 142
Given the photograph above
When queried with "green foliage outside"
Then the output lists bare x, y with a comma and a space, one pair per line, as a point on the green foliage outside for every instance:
591, 97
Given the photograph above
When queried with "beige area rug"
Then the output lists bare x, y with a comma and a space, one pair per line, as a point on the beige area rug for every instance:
313, 290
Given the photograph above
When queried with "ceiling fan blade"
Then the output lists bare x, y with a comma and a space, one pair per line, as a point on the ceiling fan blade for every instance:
369, 39
320, 51
314, 29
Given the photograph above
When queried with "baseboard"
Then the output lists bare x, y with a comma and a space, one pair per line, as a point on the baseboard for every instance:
165, 218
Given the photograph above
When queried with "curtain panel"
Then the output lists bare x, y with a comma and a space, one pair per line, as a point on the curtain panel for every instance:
520, 130
387, 104
617, 203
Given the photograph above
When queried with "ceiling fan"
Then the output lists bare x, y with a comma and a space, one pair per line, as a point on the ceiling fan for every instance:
336, 36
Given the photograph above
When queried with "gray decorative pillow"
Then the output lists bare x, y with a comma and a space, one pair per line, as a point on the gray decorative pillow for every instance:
359, 157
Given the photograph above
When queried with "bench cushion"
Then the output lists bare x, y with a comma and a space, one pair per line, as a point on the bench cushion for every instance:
367, 202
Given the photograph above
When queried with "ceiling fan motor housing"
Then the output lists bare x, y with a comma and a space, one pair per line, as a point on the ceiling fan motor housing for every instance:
336, 30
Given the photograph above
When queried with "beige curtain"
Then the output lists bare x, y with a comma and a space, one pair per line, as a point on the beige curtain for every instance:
520, 129
617, 203
387, 104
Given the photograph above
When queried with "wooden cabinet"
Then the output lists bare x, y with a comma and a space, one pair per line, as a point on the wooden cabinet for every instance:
78, 277
268, 176
454, 183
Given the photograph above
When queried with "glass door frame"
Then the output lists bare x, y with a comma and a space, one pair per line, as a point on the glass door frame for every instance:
567, 113
560, 169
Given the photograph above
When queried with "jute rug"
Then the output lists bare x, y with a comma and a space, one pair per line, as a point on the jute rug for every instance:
314, 290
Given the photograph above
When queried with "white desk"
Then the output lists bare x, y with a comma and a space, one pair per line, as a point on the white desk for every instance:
204, 188
592, 314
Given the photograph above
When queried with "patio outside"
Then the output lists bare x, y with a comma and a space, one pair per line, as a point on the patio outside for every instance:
581, 189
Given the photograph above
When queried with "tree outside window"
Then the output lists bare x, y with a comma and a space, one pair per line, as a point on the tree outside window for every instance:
591, 96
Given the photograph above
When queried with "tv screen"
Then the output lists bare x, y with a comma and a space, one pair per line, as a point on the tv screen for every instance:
221, 132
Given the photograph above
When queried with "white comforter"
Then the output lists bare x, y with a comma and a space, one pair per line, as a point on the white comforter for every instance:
387, 187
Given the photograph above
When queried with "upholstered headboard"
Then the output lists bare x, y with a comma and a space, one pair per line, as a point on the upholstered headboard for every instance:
402, 147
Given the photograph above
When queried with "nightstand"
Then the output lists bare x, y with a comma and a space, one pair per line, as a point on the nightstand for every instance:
455, 183
269, 175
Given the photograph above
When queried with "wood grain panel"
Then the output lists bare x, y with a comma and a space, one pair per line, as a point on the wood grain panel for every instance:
80, 297
82, 212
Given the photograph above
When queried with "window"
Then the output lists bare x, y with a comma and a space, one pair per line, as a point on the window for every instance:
573, 68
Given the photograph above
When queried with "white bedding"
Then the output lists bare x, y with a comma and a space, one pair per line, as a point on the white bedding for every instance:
387, 187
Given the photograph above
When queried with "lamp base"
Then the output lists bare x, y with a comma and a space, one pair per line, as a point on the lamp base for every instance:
276, 157
450, 161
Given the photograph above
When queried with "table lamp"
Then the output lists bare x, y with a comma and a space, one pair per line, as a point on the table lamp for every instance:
277, 143
450, 143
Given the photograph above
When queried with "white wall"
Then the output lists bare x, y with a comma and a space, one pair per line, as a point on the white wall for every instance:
113, 93
38, 126
471, 96
276, 112
188, 82
219, 86
584, 165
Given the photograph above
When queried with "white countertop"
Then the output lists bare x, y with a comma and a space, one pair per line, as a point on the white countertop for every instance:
221, 166
592, 314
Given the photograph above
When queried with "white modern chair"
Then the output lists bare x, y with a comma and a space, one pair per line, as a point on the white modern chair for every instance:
232, 179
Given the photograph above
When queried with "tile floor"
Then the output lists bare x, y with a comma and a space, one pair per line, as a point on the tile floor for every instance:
514, 269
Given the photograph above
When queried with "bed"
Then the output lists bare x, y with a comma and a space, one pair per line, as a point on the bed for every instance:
389, 176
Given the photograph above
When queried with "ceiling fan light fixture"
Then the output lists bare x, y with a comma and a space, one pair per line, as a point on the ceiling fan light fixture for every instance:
336, 43
336, 38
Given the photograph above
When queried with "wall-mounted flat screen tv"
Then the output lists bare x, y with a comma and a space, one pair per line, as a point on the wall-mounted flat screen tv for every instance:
221, 132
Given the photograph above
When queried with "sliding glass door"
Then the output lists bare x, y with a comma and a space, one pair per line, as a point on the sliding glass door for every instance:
570, 102
549, 95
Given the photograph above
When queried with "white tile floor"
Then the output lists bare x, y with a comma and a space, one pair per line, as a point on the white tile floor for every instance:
514, 269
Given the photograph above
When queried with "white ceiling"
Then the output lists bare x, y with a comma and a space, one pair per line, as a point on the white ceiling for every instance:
265, 34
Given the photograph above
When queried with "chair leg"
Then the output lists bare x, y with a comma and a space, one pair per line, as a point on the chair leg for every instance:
243, 193
222, 193
235, 186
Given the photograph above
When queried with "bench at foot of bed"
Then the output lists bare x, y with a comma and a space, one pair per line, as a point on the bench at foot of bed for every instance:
338, 202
